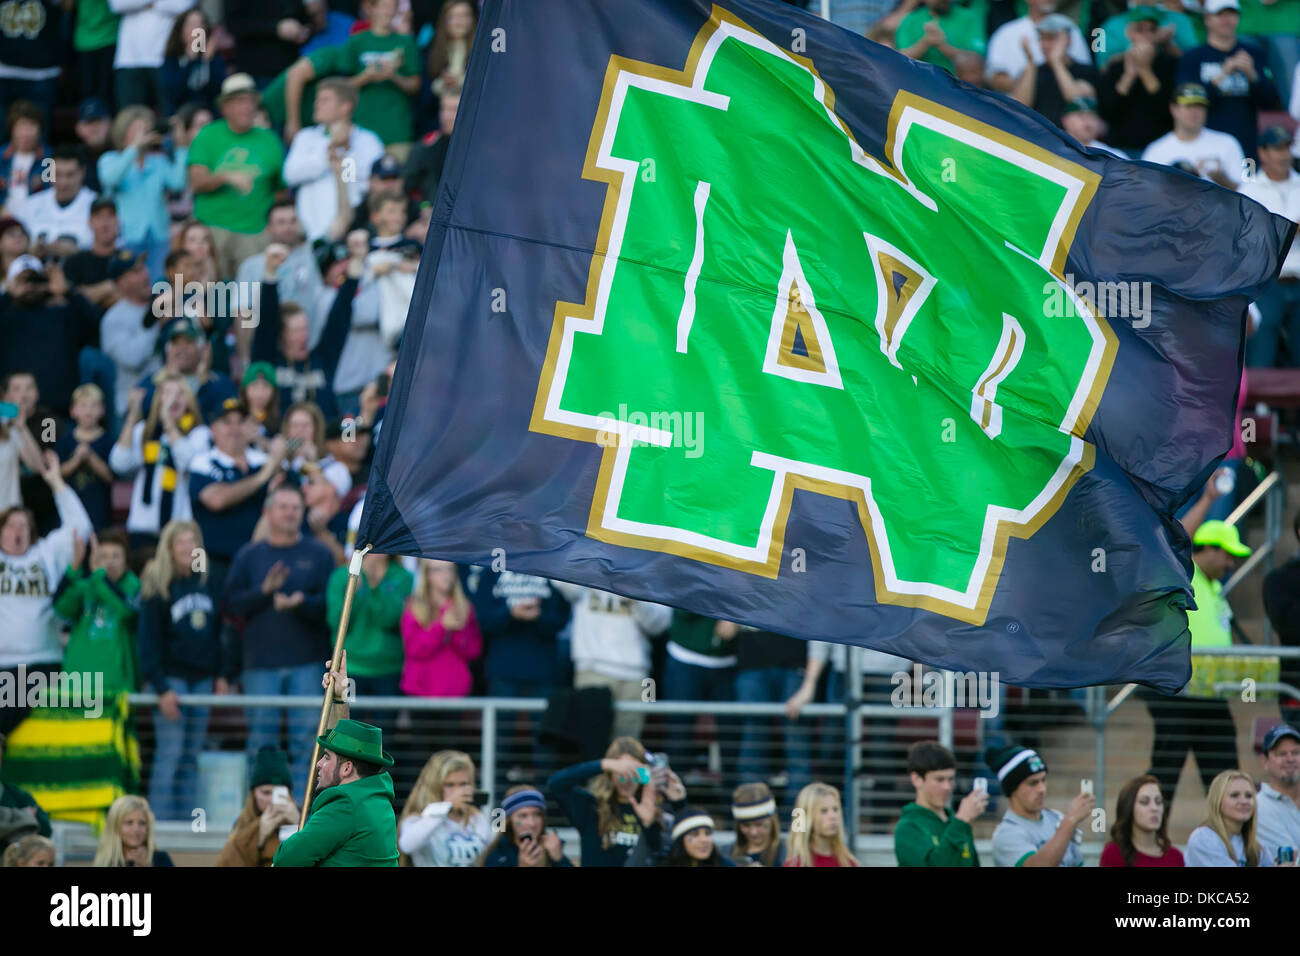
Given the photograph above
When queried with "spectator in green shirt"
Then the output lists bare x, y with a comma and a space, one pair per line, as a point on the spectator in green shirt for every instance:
928, 833
385, 67
374, 638
234, 170
940, 32
103, 606
1175, 31
95, 40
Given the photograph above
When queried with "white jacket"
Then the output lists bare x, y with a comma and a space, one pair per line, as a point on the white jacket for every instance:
29, 628
435, 839
611, 633
146, 518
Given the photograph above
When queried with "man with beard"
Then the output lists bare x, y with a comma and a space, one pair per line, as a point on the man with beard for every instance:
352, 822
1279, 794
44, 329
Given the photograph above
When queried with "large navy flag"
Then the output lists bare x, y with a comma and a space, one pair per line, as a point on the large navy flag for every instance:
726, 308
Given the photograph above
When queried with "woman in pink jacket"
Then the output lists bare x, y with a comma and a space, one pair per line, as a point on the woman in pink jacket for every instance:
440, 634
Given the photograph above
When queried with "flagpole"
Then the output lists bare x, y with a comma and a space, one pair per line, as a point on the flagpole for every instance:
354, 576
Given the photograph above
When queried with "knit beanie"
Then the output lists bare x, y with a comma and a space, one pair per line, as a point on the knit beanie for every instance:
271, 766
1013, 765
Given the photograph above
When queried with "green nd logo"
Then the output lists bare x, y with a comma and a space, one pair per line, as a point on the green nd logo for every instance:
870, 331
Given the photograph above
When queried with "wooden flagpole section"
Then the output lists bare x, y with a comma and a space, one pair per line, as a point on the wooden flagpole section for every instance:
354, 577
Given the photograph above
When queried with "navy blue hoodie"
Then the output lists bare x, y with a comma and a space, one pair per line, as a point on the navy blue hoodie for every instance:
180, 636
312, 380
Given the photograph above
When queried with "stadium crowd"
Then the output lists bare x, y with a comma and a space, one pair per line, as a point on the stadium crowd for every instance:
210, 222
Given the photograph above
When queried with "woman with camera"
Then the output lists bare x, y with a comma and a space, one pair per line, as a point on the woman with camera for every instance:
138, 174
256, 834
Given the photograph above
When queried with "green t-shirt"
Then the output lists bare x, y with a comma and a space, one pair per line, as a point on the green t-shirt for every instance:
386, 109
1277, 19
326, 61
257, 152
96, 25
963, 28
1115, 40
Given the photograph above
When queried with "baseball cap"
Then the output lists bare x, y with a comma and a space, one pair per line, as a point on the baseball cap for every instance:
1220, 534
236, 85
1276, 734
180, 325
1055, 23
91, 109
123, 261
1218, 6
1081, 104
1275, 136
1191, 94
386, 166
101, 203
24, 263
222, 407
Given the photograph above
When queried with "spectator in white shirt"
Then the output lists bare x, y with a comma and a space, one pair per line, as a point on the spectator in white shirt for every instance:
123, 333
1007, 57
1228, 835
1193, 148
1276, 187
298, 277
611, 646
141, 37
307, 167
1279, 795
58, 219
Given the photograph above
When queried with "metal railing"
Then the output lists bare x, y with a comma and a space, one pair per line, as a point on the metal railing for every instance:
852, 714
1272, 492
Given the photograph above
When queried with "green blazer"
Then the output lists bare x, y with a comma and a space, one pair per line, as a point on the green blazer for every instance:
352, 824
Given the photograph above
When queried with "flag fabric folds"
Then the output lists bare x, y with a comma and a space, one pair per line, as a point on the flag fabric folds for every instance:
727, 308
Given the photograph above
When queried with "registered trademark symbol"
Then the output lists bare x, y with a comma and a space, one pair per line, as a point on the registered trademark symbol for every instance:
1013, 627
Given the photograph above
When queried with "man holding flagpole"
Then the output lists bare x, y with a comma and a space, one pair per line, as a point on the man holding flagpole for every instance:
352, 821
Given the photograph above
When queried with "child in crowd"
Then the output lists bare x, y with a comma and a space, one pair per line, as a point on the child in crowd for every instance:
102, 604
31, 850
440, 826
84, 452
440, 635
128, 837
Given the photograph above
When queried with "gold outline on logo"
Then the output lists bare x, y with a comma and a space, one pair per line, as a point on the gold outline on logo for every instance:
770, 568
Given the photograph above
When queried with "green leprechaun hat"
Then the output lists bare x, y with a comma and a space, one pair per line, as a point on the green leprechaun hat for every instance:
356, 741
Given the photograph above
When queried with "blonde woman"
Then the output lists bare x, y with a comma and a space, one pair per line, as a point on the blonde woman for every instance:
156, 451
181, 652
128, 837
1227, 837
617, 804
440, 635
137, 175
440, 826
817, 829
